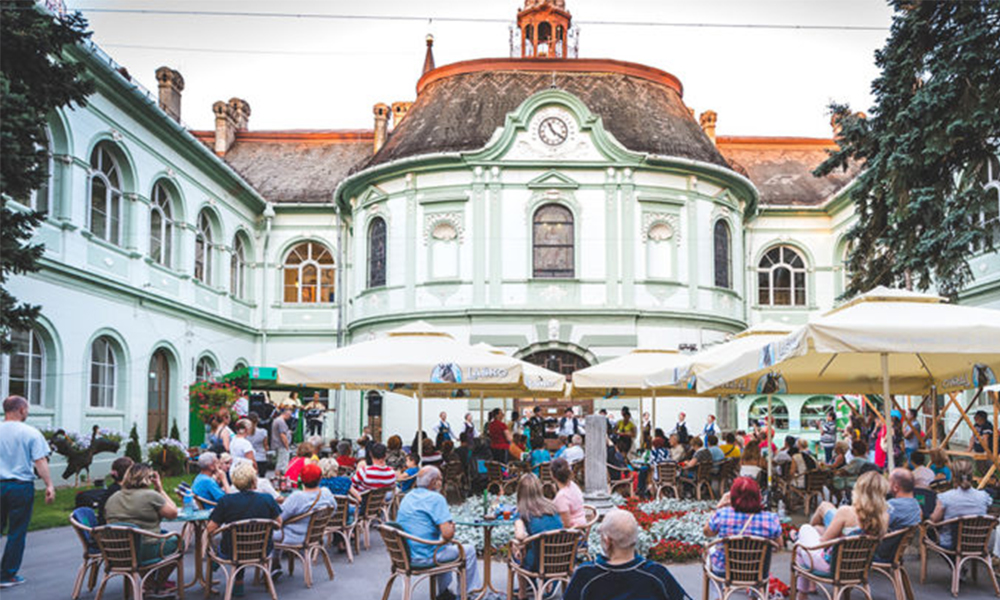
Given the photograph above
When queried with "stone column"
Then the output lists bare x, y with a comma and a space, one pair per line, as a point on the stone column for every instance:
596, 464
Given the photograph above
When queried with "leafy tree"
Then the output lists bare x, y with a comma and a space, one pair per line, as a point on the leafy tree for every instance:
133, 449
924, 147
35, 79
175, 433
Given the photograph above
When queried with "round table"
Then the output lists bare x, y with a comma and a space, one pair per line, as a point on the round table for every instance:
487, 527
198, 521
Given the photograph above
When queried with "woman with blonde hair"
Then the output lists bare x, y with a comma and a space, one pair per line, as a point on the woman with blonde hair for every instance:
868, 514
536, 514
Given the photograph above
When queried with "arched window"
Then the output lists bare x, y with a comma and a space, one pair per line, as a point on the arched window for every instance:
560, 39
552, 242
23, 370
723, 255
103, 373
161, 225
105, 206
239, 365
758, 412
205, 369
990, 215
41, 199
158, 399
559, 361
238, 268
203, 244
544, 38
781, 278
814, 411
376, 252
529, 40
310, 274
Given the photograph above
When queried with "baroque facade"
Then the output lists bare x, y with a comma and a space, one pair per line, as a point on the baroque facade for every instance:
563, 209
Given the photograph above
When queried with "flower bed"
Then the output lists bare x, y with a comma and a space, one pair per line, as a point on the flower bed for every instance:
168, 456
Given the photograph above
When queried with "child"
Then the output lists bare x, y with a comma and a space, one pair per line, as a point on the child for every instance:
412, 466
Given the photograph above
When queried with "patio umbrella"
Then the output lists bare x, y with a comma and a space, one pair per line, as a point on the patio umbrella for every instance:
686, 373
416, 359
536, 381
625, 376
882, 341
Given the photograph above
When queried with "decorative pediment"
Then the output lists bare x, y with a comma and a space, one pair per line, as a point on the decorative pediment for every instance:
552, 180
372, 195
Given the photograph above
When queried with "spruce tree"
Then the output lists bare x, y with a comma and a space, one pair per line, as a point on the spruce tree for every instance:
133, 449
175, 433
924, 146
35, 79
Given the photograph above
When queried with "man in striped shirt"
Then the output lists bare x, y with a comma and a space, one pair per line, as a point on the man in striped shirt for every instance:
375, 475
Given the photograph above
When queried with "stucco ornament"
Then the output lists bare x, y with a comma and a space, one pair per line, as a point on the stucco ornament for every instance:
444, 227
660, 227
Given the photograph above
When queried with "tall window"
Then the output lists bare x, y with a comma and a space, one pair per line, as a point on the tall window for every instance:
552, 242
103, 373
161, 226
723, 254
41, 199
205, 369
814, 411
238, 268
990, 216
309, 274
376, 252
203, 243
105, 214
781, 278
23, 371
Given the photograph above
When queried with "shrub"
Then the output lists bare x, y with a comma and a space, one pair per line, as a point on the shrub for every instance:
133, 449
167, 456
175, 433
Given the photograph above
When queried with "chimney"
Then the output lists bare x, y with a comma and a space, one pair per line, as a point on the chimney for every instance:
230, 117
399, 110
707, 121
241, 113
381, 125
171, 86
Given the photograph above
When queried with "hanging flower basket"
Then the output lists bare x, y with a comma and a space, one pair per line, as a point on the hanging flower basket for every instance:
207, 397
167, 456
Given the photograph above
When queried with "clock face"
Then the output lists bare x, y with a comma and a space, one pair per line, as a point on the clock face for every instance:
553, 131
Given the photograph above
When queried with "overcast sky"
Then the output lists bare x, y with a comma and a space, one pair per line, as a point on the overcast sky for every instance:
322, 73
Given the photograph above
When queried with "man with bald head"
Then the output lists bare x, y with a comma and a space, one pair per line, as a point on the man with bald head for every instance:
424, 513
904, 510
621, 574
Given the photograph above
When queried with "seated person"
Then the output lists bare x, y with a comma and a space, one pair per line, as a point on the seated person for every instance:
518, 446
701, 455
574, 452
377, 474
424, 513
618, 458
750, 462
339, 485
344, 455
844, 479
868, 514
712, 445
412, 466
802, 462
246, 503
303, 456
730, 449
561, 445
142, 503
739, 513
98, 497
620, 573
904, 510
569, 498
963, 501
310, 497
923, 476
940, 464
677, 450
536, 514
539, 455
211, 482
429, 454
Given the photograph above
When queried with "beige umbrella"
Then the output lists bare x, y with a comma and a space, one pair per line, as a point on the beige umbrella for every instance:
415, 359
536, 381
752, 339
625, 376
885, 340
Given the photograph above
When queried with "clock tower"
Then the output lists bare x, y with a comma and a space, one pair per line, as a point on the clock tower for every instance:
544, 29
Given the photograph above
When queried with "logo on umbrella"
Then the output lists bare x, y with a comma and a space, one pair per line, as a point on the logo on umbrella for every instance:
983, 376
772, 383
446, 373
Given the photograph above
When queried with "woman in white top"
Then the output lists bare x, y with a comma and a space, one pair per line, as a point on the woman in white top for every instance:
240, 447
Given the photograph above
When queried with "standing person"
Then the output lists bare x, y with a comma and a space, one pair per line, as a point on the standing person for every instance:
985, 430
281, 439
681, 430
710, 428
314, 412
569, 424
647, 432
424, 513
536, 426
442, 430
912, 435
242, 406
499, 435
626, 428
469, 428
828, 435
258, 439
241, 447
536, 514
622, 574
22, 448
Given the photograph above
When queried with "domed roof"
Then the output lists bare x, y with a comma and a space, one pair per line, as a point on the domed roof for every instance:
459, 106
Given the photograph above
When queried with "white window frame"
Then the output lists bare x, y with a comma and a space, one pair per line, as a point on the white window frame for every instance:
203, 241
238, 268
783, 263
162, 203
113, 194
36, 348
205, 369
49, 179
311, 260
102, 356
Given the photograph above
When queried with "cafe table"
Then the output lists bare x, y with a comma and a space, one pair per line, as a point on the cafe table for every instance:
197, 520
487, 526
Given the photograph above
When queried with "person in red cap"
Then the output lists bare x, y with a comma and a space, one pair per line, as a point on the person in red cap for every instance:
311, 497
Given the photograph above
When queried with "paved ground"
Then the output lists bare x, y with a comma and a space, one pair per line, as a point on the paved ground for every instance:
53, 557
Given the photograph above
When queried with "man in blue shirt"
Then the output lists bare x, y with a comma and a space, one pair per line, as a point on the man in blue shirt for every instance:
424, 513
620, 574
211, 484
22, 448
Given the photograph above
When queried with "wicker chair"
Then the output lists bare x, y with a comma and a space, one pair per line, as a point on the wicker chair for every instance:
815, 481
620, 481
548, 482
399, 494
850, 561
344, 524
399, 556
729, 469
972, 543
249, 541
893, 568
580, 474
702, 480
83, 521
495, 480
203, 503
745, 570
557, 554
666, 480
453, 479
374, 507
120, 547
312, 545
593, 517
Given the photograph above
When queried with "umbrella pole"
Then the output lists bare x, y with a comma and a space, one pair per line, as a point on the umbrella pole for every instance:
890, 458
420, 421
653, 424
770, 450
481, 422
